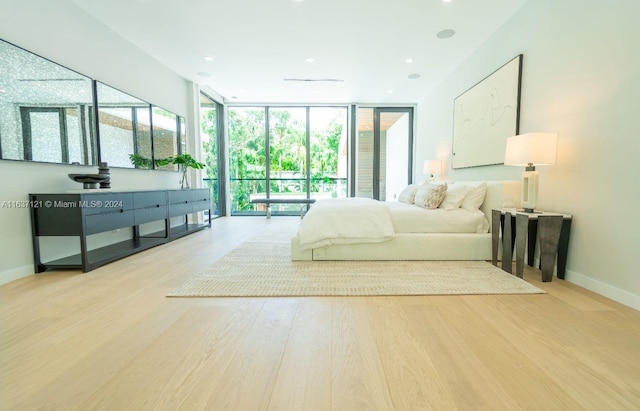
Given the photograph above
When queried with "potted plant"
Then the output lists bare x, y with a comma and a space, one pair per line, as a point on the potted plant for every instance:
184, 162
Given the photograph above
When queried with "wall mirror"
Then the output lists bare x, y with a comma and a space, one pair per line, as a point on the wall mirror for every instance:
45, 110
47, 114
124, 125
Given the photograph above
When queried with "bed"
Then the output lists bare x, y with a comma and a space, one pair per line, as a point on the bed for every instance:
400, 231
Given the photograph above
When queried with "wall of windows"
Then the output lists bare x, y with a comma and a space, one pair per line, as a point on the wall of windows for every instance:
293, 152
286, 152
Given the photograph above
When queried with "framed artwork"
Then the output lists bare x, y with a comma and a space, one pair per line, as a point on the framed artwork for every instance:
485, 116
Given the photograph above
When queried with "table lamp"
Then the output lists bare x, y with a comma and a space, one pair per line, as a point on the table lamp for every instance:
530, 150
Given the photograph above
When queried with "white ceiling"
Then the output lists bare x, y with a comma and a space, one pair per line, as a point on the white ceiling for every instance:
256, 44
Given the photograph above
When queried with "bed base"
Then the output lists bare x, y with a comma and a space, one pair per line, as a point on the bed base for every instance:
404, 246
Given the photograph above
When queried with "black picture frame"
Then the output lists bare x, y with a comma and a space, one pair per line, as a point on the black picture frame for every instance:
485, 115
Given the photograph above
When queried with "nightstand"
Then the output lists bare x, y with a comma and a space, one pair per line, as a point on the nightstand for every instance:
519, 228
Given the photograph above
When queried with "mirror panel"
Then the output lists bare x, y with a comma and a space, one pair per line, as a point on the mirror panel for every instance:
183, 135
143, 133
45, 110
166, 128
124, 128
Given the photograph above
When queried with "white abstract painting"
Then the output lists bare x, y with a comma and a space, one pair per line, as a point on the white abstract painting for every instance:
485, 116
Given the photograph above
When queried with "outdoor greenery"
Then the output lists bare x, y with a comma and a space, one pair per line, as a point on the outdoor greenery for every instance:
209, 128
287, 153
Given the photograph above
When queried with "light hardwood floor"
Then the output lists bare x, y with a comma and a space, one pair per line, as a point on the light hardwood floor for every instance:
111, 340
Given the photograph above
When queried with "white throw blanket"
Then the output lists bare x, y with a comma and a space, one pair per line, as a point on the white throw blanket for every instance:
345, 221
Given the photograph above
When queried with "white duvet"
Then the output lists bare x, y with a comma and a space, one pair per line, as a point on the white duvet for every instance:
345, 221
408, 218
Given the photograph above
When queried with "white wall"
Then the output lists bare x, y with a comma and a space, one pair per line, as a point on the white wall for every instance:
397, 160
63, 33
581, 79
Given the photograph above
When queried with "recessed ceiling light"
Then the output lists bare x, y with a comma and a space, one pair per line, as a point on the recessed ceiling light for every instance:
414, 76
390, 91
409, 60
446, 1
309, 60
203, 74
208, 58
446, 33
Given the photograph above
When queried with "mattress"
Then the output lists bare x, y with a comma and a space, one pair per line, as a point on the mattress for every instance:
409, 218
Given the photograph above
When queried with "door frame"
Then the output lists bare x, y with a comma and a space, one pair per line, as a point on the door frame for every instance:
377, 110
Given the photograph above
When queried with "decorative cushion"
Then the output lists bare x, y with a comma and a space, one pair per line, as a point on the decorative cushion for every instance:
408, 195
474, 197
454, 197
430, 196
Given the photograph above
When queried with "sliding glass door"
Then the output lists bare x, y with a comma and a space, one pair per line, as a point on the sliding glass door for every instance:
328, 154
287, 157
383, 151
247, 157
211, 120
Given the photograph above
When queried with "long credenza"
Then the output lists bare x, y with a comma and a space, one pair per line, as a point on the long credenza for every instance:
84, 214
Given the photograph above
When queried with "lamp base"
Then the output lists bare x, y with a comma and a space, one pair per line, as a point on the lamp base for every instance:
529, 193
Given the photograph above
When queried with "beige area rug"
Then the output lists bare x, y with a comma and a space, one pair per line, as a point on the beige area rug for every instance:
262, 267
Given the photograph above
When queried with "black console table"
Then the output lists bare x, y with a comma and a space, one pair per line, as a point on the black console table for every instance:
84, 214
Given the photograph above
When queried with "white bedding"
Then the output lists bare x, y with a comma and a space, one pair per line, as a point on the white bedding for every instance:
470, 246
363, 220
408, 218
345, 221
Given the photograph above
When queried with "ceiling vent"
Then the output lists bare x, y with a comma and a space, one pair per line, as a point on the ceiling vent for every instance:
319, 80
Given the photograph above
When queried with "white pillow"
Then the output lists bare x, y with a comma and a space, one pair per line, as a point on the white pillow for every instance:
430, 196
408, 195
474, 197
454, 197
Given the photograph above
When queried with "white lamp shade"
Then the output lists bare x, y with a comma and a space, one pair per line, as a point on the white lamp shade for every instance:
531, 148
432, 167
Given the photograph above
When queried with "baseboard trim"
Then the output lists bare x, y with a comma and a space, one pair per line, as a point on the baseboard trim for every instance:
16, 274
609, 291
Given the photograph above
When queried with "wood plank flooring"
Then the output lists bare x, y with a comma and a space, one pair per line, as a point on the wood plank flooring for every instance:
111, 340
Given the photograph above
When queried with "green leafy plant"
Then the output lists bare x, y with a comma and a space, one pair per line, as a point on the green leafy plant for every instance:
140, 161
183, 161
